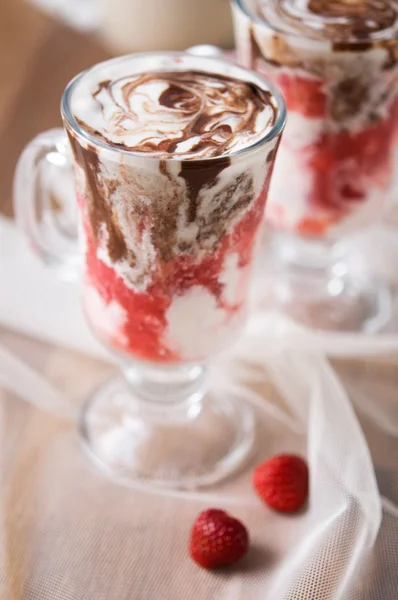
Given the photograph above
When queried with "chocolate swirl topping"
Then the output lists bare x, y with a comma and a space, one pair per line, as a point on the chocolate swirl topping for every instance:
337, 20
190, 114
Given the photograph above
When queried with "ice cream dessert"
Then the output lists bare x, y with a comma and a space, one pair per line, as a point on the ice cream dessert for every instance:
336, 64
172, 168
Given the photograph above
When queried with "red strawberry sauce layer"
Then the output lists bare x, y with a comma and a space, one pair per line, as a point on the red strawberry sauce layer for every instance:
145, 325
341, 166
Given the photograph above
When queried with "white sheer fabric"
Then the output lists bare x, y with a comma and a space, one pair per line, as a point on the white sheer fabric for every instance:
67, 532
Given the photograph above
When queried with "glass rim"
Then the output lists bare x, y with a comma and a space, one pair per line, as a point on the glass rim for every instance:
274, 131
242, 6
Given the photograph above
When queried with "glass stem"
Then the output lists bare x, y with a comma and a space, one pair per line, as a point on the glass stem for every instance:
172, 392
308, 255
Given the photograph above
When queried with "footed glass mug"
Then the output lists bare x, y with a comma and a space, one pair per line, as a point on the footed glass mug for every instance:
336, 64
168, 248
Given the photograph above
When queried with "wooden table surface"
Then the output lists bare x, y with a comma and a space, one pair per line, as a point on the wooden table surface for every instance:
38, 56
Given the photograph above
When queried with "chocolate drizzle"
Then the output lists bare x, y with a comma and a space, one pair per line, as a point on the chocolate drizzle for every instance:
227, 205
98, 191
337, 20
144, 213
349, 95
359, 44
165, 209
358, 19
198, 175
192, 114
161, 204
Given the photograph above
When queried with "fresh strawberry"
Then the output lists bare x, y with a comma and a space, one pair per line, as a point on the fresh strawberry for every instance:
282, 482
217, 539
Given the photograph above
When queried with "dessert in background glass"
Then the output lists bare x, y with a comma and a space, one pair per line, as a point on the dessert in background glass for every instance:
172, 156
336, 64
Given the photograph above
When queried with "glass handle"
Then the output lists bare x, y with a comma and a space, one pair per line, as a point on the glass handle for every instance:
45, 201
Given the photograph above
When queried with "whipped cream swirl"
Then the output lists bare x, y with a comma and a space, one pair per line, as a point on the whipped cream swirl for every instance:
337, 20
191, 114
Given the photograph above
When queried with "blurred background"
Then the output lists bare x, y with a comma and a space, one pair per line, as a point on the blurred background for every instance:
44, 43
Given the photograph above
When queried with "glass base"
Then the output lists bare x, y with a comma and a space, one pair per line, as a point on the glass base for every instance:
323, 288
191, 444
352, 306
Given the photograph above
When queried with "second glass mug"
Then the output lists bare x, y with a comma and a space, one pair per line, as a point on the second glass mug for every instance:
163, 308
336, 167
